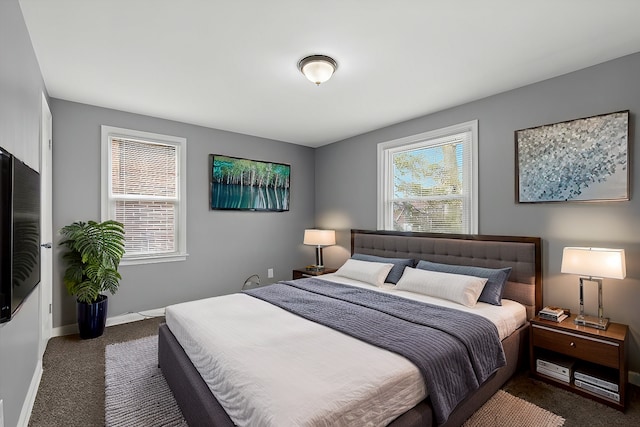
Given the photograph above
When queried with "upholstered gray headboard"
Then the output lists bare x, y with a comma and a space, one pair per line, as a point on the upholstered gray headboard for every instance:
522, 254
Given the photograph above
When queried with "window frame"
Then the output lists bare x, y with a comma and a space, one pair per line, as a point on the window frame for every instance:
110, 132
385, 169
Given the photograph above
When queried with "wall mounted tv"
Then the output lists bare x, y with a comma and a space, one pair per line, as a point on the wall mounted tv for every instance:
243, 184
19, 233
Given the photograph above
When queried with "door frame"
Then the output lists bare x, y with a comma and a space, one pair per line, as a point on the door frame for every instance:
46, 226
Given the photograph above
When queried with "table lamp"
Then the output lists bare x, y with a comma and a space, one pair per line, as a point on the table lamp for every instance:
593, 264
319, 239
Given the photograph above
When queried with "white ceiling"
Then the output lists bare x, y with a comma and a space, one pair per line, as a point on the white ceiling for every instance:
231, 65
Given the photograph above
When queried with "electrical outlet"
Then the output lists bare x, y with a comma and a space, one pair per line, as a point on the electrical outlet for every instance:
270, 273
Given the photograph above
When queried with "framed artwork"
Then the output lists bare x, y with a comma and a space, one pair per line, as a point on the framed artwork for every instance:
244, 184
579, 160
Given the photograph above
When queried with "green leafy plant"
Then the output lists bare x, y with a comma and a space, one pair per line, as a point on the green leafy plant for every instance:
93, 256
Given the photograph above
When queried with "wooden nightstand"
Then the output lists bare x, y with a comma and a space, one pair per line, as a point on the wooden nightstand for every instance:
604, 350
301, 273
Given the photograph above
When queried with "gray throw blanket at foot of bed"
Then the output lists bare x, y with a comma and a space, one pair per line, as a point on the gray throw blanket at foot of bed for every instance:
454, 350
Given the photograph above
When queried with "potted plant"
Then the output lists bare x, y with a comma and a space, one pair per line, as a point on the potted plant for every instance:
93, 256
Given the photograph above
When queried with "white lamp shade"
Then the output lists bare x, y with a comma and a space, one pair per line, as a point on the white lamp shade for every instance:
319, 237
594, 262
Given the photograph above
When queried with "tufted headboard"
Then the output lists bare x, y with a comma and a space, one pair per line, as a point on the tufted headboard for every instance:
522, 254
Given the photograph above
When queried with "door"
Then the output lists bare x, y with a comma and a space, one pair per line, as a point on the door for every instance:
46, 225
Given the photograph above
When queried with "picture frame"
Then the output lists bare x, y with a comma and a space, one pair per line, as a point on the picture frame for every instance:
248, 185
581, 160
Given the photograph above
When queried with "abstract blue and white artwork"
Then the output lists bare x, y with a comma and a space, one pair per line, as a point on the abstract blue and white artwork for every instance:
579, 160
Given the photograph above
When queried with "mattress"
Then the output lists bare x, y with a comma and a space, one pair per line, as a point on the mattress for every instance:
268, 367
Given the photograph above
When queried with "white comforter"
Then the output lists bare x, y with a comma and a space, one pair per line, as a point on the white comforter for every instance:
268, 367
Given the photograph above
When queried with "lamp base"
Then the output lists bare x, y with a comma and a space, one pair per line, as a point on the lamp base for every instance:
593, 322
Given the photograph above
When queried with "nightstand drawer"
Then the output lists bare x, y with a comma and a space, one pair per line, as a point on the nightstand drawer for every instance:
594, 350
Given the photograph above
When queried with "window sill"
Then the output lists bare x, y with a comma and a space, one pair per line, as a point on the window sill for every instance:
153, 259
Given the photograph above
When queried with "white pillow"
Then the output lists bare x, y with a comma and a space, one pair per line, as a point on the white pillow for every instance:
458, 288
370, 272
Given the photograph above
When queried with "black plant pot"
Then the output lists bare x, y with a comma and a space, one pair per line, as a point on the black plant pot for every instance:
92, 317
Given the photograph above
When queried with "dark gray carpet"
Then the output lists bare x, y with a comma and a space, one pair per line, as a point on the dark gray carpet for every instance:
576, 410
71, 392
72, 389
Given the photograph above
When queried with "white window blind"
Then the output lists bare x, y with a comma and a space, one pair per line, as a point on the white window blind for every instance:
144, 192
427, 182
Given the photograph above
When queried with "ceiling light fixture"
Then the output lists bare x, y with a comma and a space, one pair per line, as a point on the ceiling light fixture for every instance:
317, 68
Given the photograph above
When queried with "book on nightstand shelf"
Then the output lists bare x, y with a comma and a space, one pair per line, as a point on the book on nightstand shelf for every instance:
555, 314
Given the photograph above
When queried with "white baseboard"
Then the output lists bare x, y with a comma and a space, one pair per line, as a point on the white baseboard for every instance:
30, 399
133, 317
111, 321
64, 330
634, 378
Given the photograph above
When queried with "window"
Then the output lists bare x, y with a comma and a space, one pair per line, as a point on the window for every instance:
144, 188
428, 182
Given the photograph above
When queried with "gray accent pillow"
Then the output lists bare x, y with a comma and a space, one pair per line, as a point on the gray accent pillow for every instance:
398, 265
496, 278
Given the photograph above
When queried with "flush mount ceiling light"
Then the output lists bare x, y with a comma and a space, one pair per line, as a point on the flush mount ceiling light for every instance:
317, 68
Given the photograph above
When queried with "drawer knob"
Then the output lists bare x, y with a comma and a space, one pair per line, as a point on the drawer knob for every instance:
572, 344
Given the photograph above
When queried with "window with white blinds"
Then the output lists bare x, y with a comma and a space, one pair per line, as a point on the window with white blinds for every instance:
428, 182
143, 189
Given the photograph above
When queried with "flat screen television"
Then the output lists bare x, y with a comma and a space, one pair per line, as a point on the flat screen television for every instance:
19, 233
244, 184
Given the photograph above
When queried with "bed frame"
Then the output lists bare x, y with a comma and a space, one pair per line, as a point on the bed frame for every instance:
522, 254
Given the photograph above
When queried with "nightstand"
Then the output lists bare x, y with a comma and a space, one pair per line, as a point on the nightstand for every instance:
301, 273
602, 350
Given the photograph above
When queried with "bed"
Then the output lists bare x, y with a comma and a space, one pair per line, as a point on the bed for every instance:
200, 407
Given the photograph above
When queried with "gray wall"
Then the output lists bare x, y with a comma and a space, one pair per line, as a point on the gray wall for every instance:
225, 247
20, 97
346, 183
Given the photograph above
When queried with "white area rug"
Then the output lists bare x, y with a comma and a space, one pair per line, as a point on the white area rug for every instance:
506, 410
136, 393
